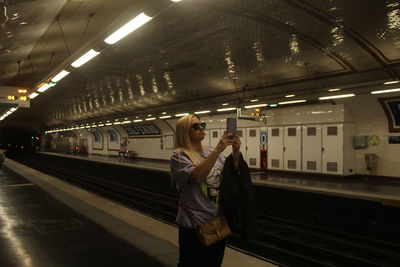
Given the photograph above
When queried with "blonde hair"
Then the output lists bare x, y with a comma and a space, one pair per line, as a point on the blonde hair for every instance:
182, 140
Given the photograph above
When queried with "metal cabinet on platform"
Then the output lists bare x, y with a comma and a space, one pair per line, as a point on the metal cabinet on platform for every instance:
252, 147
312, 148
292, 148
337, 151
275, 148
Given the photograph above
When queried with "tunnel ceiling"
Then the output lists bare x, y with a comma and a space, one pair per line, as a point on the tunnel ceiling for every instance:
192, 54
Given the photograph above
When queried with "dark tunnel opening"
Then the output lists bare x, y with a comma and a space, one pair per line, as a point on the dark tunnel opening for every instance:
19, 140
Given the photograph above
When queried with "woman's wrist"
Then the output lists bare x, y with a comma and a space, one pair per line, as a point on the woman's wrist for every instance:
217, 150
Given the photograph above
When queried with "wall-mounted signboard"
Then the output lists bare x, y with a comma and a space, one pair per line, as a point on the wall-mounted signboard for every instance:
143, 129
14, 96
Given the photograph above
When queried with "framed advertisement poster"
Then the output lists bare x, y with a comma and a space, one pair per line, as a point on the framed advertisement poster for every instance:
391, 106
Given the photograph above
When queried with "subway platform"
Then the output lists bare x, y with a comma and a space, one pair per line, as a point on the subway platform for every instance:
47, 222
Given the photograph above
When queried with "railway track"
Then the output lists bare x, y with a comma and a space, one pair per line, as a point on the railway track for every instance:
283, 241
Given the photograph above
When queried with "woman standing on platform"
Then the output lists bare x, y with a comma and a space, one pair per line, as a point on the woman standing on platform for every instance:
197, 171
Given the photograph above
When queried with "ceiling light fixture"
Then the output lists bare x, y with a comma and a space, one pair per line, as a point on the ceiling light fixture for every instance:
202, 112
225, 109
85, 58
139, 120
129, 27
150, 119
165, 117
44, 87
334, 89
288, 96
253, 100
225, 104
335, 96
292, 102
33, 95
60, 75
176, 1
391, 82
256, 106
273, 105
386, 91
181, 114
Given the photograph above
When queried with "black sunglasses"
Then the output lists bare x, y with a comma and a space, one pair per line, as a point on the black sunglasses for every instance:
196, 126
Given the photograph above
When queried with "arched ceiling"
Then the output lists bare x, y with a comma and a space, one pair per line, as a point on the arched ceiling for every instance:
193, 54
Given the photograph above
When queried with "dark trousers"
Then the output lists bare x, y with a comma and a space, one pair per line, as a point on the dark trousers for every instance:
192, 253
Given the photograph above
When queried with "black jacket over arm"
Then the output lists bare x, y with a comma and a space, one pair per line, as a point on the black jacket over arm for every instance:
237, 197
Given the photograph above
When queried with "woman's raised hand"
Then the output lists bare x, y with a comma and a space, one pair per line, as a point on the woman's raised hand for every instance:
226, 140
236, 144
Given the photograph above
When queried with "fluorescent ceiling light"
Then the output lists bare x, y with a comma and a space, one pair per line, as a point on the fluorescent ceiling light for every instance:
202, 112
44, 87
108, 124
100, 125
292, 102
13, 109
391, 82
125, 122
181, 114
132, 25
150, 119
164, 112
253, 100
59, 76
85, 58
117, 122
225, 104
287, 96
273, 105
334, 89
336, 96
256, 106
176, 1
138, 120
225, 109
386, 91
165, 117
33, 95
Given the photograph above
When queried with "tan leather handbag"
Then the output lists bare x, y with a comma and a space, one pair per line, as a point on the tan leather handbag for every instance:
213, 231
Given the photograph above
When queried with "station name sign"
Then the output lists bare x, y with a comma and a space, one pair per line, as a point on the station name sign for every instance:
143, 129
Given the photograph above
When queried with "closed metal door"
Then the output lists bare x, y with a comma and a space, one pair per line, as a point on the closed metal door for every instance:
292, 148
312, 147
275, 147
214, 137
206, 140
332, 148
253, 147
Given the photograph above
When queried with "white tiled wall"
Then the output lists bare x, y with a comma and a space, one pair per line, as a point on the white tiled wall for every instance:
370, 119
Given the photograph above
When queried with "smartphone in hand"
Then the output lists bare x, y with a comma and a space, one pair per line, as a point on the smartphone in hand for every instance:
231, 125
